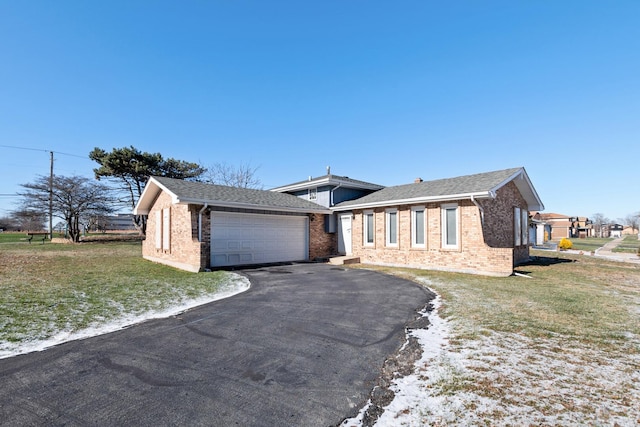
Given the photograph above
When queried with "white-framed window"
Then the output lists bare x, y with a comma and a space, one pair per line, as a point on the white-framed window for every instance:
158, 230
313, 194
517, 226
525, 226
450, 223
418, 227
166, 229
391, 226
369, 227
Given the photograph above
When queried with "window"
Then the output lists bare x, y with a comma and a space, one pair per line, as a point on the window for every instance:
158, 230
369, 228
525, 226
450, 226
517, 226
313, 194
166, 229
392, 227
418, 226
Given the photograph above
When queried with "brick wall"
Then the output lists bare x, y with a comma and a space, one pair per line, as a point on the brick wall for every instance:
184, 250
321, 244
481, 250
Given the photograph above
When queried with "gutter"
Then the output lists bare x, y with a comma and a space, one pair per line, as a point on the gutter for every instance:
452, 197
206, 205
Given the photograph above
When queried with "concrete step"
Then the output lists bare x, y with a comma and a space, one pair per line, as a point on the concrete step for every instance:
341, 260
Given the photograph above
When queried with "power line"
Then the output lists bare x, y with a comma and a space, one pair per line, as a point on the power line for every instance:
46, 151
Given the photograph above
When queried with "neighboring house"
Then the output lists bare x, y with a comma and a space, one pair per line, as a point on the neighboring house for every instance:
539, 231
615, 230
560, 224
476, 223
581, 227
119, 222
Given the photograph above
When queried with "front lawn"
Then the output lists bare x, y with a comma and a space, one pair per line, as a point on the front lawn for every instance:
630, 244
557, 346
53, 288
589, 244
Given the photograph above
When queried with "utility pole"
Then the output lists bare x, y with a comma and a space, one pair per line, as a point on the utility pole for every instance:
51, 198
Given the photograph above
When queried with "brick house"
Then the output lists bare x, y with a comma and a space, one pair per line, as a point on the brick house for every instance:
476, 223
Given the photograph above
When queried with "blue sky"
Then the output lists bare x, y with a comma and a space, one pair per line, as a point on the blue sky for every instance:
380, 91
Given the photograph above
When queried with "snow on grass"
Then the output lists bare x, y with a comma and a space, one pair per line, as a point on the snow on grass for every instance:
237, 284
509, 379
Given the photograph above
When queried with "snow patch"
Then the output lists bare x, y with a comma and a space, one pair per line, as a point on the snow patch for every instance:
236, 285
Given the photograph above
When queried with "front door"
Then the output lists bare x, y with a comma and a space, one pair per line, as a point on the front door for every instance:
344, 234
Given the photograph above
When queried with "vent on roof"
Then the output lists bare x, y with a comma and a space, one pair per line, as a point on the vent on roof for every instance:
417, 180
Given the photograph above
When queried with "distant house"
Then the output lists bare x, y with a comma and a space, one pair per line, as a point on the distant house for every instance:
475, 223
559, 224
615, 230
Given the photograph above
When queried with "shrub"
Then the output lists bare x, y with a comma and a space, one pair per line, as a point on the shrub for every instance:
565, 244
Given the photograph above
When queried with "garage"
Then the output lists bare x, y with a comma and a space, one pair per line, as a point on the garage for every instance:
247, 238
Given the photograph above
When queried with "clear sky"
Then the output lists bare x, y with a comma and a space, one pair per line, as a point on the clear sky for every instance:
380, 91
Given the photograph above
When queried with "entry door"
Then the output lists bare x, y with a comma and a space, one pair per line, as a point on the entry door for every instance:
344, 234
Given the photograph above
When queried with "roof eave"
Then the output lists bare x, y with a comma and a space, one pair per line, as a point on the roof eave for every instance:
239, 205
325, 181
534, 203
432, 199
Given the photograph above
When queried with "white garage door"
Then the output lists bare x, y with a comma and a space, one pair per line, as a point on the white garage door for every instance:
241, 238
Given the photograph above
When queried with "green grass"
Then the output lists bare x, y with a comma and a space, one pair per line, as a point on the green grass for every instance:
589, 244
579, 298
49, 288
13, 237
630, 244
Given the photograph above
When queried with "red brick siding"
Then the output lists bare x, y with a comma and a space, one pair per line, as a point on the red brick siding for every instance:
185, 251
321, 244
484, 250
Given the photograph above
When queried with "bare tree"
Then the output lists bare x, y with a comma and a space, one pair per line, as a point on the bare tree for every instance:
28, 219
243, 176
75, 199
633, 221
600, 222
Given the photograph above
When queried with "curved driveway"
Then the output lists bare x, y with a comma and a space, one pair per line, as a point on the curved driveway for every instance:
303, 346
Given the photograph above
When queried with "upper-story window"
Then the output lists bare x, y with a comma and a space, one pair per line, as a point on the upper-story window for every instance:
313, 194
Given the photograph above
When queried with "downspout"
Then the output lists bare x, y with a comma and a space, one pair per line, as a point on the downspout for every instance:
475, 202
206, 205
331, 194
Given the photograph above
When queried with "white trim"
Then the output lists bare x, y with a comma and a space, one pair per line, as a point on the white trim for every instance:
414, 227
326, 180
365, 233
444, 225
447, 198
387, 223
517, 226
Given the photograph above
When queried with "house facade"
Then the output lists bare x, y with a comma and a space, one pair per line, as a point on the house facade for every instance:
475, 223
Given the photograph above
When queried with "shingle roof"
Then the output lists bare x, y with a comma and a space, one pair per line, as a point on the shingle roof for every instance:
220, 195
462, 187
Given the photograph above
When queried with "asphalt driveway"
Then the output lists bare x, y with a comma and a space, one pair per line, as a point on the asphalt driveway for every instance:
303, 346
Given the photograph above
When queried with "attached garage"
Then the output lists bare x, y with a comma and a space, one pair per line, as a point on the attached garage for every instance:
195, 226
247, 238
